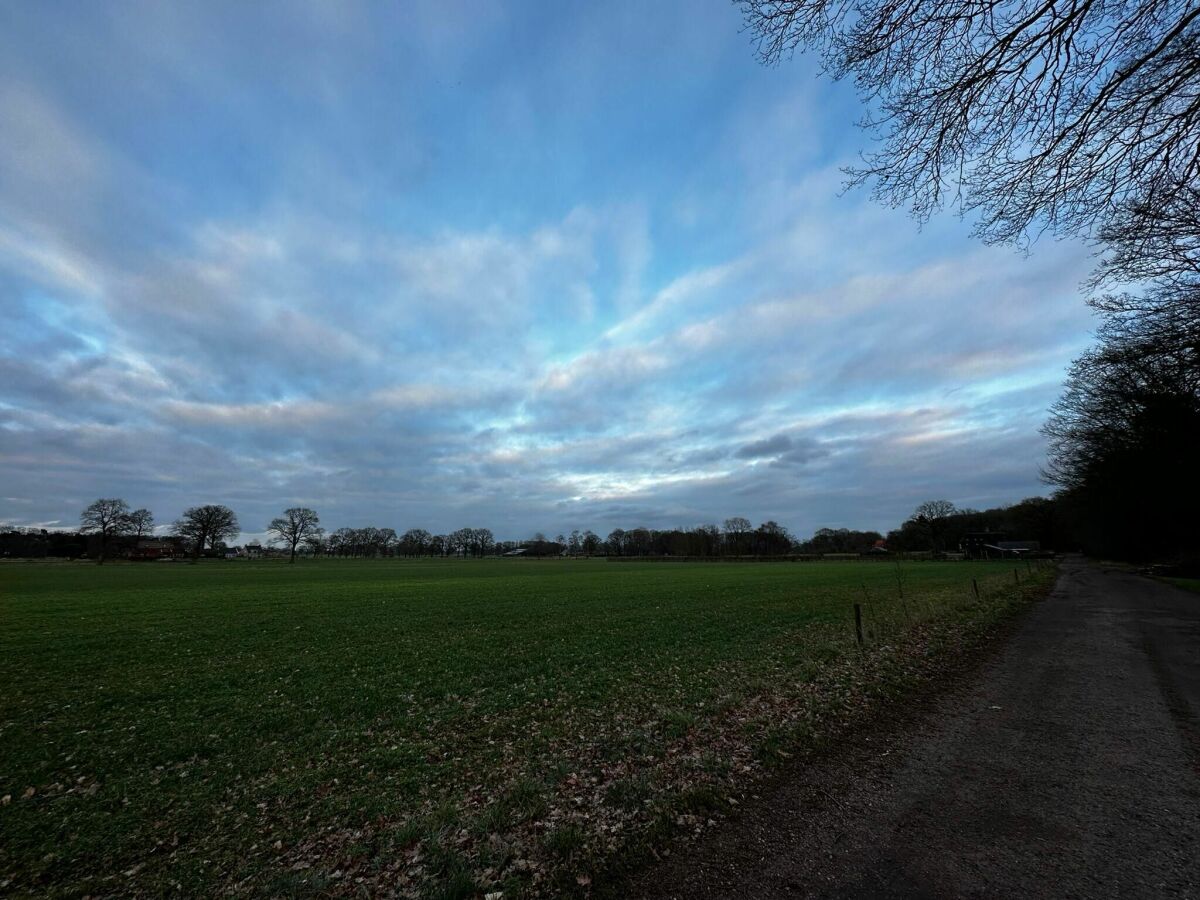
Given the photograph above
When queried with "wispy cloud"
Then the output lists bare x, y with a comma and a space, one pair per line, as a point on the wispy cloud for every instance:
413, 266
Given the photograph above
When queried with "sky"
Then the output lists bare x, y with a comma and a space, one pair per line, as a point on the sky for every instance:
524, 266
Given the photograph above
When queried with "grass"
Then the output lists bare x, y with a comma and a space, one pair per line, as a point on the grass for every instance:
439, 728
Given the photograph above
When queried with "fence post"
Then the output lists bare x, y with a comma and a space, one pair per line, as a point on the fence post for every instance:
858, 623
975, 585
1016, 577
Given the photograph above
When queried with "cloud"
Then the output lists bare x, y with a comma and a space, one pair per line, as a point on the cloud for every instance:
772, 446
782, 450
437, 265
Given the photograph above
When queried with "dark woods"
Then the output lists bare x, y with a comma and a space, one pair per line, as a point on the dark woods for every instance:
1125, 436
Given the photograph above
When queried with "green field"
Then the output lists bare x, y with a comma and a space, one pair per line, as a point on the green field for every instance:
433, 728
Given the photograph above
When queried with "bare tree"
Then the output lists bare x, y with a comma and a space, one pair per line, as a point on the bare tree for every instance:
736, 529
935, 509
386, 540
141, 523
1155, 240
315, 543
415, 542
206, 526
1155, 245
342, 542
773, 539
1119, 396
294, 527
484, 541
617, 542
1123, 435
460, 541
106, 519
591, 542
932, 515
1075, 116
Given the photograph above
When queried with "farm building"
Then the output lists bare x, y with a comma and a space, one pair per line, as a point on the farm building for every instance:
994, 545
154, 549
1015, 548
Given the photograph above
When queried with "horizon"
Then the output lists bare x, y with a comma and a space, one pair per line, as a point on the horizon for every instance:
523, 268
163, 530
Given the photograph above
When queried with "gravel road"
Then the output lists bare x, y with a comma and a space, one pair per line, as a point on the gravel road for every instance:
1068, 765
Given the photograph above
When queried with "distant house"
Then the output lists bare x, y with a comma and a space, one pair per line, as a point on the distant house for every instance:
254, 550
153, 549
520, 551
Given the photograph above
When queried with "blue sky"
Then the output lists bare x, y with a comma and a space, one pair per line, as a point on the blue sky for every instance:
525, 266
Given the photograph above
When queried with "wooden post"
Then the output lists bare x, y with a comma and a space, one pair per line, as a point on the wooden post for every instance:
975, 584
1016, 577
858, 623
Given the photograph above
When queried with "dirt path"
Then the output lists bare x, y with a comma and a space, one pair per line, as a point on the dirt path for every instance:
1068, 765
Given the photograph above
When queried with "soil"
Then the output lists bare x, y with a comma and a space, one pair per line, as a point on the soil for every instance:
1064, 763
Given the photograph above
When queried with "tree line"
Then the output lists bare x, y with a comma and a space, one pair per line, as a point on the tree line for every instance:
108, 526
737, 538
111, 522
1080, 517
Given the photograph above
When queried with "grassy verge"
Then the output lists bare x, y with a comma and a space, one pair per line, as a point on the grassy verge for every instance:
807, 718
432, 729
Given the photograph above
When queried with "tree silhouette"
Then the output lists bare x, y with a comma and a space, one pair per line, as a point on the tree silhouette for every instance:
141, 523
1073, 116
294, 527
1124, 434
206, 526
107, 519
